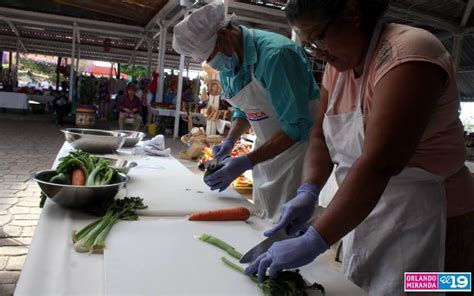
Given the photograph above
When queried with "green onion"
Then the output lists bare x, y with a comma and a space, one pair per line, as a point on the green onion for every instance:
220, 244
92, 237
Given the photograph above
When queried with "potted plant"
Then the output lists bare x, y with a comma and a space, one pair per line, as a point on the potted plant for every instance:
86, 109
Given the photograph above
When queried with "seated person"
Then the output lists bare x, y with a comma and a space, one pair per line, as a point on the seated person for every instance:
130, 106
61, 106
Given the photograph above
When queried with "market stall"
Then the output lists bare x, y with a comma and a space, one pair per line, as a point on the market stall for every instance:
157, 252
13, 100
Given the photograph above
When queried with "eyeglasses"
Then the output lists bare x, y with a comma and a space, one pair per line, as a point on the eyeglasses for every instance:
318, 42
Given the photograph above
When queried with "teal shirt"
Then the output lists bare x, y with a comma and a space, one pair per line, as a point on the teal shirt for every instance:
283, 70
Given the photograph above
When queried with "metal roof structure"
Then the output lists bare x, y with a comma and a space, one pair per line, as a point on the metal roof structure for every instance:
136, 28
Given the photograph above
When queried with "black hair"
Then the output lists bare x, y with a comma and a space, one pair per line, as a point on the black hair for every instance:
371, 10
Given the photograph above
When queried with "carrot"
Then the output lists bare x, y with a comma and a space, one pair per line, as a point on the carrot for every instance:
78, 177
232, 214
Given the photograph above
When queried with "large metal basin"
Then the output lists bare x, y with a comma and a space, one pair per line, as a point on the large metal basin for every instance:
94, 141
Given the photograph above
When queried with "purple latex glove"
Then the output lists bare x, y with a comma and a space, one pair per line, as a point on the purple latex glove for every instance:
232, 168
223, 149
288, 254
297, 211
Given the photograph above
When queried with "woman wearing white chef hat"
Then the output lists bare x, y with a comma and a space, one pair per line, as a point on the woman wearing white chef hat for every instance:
268, 81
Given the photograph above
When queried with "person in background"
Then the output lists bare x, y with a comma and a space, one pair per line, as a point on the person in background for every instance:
104, 98
130, 106
267, 79
144, 99
188, 100
61, 106
389, 120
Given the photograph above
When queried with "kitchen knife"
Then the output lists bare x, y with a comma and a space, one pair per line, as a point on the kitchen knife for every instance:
262, 247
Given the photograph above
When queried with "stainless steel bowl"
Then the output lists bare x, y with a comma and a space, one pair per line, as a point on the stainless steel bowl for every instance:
131, 138
94, 141
124, 166
73, 196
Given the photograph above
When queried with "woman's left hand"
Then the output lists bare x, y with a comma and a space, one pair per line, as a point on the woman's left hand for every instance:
232, 168
287, 254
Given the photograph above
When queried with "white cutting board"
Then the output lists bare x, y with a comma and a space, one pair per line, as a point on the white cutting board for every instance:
181, 196
162, 257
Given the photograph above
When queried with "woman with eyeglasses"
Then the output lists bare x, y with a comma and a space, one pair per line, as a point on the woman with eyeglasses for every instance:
267, 79
388, 121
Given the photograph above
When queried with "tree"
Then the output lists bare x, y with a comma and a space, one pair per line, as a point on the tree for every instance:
136, 72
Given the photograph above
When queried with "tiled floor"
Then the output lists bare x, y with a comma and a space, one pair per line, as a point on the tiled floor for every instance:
29, 143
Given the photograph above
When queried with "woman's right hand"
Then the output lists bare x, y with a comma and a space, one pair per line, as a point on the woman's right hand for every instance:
296, 212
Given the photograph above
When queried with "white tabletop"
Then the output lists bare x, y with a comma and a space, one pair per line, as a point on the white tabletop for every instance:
13, 100
43, 99
53, 267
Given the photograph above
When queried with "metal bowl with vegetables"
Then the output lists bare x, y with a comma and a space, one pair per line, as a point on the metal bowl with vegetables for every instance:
121, 165
80, 179
94, 141
131, 138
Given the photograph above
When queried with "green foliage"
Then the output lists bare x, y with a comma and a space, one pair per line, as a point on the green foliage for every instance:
88, 91
137, 72
469, 124
37, 68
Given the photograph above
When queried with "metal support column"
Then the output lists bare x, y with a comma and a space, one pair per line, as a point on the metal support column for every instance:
72, 73
10, 62
179, 96
58, 73
17, 61
161, 63
148, 58
78, 59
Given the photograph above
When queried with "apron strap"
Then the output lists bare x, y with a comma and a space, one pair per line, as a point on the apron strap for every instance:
341, 79
368, 61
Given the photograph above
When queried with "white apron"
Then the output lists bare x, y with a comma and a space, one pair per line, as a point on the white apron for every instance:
406, 230
275, 180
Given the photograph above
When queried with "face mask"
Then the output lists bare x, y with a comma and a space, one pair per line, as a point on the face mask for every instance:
223, 63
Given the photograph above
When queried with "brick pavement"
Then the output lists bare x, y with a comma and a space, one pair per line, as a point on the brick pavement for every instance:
28, 143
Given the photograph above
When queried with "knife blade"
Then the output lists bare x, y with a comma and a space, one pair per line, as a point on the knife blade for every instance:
263, 246
280, 235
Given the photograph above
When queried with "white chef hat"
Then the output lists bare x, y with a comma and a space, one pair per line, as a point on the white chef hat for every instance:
196, 35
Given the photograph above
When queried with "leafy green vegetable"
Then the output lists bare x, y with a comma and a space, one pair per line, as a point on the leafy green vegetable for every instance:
287, 282
92, 237
213, 166
96, 170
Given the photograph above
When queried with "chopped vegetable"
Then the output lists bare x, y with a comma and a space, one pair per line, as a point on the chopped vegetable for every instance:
78, 177
233, 214
91, 238
287, 282
220, 244
213, 166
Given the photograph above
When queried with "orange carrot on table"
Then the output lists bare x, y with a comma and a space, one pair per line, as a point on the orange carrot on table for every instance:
78, 177
232, 214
